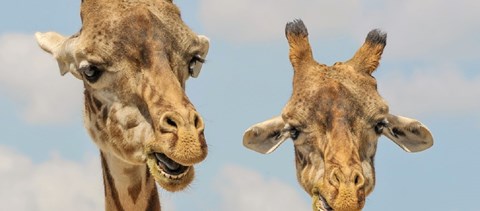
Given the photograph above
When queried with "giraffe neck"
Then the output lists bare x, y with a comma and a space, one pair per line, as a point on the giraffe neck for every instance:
128, 187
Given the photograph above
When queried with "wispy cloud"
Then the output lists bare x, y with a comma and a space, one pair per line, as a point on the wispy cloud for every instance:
243, 189
53, 185
436, 90
417, 30
250, 20
31, 78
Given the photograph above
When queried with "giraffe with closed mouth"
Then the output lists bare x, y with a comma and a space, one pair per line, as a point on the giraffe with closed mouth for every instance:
335, 116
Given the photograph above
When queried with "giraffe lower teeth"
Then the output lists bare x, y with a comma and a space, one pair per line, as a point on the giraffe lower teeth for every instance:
173, 177
170, 168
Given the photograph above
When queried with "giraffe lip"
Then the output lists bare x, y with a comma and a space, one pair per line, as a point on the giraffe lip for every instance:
321, 203
169, 166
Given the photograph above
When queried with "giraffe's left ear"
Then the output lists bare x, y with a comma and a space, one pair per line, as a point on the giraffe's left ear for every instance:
410, 134
266, 136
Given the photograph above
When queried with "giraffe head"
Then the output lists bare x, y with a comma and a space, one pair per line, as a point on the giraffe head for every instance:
335, 116
134, 58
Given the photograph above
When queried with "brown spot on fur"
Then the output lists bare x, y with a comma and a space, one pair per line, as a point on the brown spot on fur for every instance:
153, 202
104, 114
147, 175
135, 189
128, 149
88, 104
103, 136
97, 103
97, 126
116, 133
301, 159
131, 123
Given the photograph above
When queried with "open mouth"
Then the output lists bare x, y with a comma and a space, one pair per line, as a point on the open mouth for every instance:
169, 168
320, 203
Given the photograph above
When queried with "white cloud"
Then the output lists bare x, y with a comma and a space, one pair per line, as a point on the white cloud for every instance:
55, 184
441, 89
246, 190
32, 79
419, 30
431, 29
251, 20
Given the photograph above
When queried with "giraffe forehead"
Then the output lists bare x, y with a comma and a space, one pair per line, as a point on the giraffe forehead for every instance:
134, 32
323, 104
337, 92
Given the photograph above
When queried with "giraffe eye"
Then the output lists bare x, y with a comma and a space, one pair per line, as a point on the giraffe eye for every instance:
92, 73
294, 132
380, 125
195, 65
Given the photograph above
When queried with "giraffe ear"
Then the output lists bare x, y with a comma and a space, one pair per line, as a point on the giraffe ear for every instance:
410, 134
61, 48
266, 136
367, 58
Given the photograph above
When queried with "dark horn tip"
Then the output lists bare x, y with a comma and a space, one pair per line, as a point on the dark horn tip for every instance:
296, 28
377, 36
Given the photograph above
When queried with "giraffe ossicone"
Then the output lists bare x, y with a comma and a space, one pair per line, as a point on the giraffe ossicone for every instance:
134, 57
335, 116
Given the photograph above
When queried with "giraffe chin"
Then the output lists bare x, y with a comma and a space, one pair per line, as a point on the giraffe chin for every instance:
320, 203
168, 179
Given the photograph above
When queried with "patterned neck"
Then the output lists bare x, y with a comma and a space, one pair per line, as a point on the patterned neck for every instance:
128, 187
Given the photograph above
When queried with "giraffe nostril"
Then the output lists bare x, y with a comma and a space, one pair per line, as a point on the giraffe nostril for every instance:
198, 122
171, 122
358, 179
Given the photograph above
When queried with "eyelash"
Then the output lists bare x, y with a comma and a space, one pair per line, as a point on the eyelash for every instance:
193, 62
380, 126
294, 133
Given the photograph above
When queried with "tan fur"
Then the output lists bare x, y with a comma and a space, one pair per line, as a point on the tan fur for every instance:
137, 106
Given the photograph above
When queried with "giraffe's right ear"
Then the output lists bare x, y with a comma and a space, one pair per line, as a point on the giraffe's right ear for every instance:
61, 48
410, 134
266, 136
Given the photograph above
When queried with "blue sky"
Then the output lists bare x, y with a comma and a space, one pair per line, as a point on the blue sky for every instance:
429, 71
